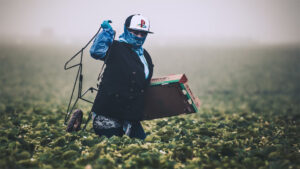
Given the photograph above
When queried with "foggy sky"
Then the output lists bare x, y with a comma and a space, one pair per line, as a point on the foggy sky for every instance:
263, 21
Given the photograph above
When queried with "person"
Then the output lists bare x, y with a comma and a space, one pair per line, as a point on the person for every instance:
119, 103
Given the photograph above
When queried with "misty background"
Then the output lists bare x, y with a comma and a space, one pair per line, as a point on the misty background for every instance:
231, 51
190, 22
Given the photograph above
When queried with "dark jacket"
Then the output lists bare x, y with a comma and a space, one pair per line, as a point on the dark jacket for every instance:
122, 88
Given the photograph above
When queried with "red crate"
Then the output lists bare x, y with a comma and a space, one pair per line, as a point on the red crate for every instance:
169, 96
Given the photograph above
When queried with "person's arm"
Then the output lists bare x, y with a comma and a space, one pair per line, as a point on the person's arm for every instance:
102, 42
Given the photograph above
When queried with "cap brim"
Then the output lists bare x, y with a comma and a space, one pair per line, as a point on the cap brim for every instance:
140, 30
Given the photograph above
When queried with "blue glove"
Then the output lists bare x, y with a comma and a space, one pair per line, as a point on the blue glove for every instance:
106, 25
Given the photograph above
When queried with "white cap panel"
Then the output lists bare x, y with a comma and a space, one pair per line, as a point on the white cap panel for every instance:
138, 22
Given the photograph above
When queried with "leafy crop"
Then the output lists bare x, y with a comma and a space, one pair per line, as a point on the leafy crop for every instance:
249, 116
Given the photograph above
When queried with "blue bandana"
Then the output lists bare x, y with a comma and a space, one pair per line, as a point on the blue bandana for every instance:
137, 44
130, 38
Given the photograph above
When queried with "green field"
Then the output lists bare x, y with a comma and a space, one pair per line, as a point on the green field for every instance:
249, 118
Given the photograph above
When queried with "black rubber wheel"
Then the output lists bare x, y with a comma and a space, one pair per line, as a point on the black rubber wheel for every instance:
75, 121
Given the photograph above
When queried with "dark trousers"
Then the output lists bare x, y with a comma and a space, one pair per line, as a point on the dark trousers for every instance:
116, 127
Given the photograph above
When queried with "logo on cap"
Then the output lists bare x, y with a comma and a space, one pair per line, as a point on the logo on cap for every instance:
142, 24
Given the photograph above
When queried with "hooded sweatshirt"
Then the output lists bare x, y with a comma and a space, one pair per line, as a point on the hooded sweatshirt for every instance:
105, 39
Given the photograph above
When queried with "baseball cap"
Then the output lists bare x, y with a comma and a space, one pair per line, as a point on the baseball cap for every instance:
138, 22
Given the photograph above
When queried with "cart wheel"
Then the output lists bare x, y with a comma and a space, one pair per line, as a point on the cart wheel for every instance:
75, 121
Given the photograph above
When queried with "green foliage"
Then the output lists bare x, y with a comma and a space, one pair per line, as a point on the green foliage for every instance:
249, 116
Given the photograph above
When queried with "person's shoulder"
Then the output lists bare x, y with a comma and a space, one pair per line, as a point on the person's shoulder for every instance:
148, 57
117, 43
146, 53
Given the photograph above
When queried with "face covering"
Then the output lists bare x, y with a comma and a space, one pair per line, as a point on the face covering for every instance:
136, 42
